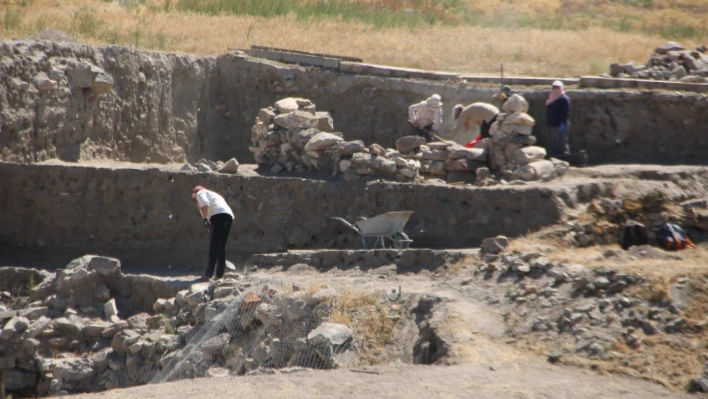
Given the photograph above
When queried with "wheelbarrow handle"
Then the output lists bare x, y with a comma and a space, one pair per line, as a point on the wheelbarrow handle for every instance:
351, 226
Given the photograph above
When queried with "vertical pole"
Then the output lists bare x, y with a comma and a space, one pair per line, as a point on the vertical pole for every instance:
501, 83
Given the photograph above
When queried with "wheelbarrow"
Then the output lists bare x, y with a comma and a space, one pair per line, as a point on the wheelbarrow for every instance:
385, 227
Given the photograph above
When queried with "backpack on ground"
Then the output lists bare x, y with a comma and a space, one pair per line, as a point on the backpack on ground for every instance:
673, 237
634, 234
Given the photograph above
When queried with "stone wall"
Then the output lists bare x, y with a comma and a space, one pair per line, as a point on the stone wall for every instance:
172, 108
147, 217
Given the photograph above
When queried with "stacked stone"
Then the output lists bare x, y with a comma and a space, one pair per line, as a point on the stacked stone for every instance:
70, 338
439, 159
292, 136
511, 150
668, 62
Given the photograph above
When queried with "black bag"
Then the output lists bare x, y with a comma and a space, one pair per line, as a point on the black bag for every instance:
634, 234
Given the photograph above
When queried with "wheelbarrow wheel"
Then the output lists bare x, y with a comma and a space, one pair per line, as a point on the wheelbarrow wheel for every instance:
401, 241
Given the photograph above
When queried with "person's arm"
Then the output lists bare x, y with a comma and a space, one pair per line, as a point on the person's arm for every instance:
411, 113
564, 110
437, 120
458, 126
204, 211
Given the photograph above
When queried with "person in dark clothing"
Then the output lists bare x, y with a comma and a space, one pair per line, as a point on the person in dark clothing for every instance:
217, 217
557, 120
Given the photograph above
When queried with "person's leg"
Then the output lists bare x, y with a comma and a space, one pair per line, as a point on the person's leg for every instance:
225, 222
564, 146
484, 129
213, 247
553, 144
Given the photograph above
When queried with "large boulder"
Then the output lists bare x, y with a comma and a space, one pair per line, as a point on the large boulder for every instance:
474, 154
494, 245
296, 120
15, 326
266, 115
336, 335
407, 144
349, 148
324, 122
670, 46
302, 137
322, 141
464, 165
122, 341
384, 165
362, 160
516, 103
519, 118
539, 170
231, 166
75, 369
287, 105
526, 155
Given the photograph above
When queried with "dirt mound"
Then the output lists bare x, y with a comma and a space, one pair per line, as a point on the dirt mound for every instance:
52, 35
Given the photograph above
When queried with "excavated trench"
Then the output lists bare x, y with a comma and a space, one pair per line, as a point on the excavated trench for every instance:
164, 109
66, 340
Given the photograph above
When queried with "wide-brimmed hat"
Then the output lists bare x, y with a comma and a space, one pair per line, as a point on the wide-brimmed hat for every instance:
434, 101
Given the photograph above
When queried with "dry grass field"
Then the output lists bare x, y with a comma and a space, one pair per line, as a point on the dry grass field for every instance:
533, 37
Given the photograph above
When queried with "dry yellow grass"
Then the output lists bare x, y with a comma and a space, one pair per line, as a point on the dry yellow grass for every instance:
464, 48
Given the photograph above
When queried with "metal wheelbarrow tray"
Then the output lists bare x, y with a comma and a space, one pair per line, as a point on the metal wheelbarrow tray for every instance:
388, 226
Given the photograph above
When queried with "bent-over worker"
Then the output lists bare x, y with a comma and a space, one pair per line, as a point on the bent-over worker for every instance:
426, 117
217, 217
479, 114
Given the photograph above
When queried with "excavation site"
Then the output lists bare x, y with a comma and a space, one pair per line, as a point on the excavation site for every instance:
363, 259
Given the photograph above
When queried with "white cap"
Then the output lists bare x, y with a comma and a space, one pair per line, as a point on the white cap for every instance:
434, 101
558, 83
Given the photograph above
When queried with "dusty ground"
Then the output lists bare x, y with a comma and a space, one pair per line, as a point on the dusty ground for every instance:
485, 364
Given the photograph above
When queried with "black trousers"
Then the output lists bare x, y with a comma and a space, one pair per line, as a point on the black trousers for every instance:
423, 131
220, 226
484, 129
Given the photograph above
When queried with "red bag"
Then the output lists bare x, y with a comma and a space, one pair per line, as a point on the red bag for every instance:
474, 142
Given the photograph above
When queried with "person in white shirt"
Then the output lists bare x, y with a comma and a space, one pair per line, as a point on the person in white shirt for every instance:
426, 117
218, 217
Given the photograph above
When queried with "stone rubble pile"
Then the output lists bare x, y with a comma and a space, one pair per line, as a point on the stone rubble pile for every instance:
70, 336
207, 166
292, 136
602, 221
583, 311
511, 147
668, 62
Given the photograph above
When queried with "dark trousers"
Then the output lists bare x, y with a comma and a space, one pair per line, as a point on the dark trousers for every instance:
423, 131
220, 226
558, 141
484, 129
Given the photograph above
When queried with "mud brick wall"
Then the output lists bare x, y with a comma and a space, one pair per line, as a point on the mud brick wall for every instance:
61, 212
176, 108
